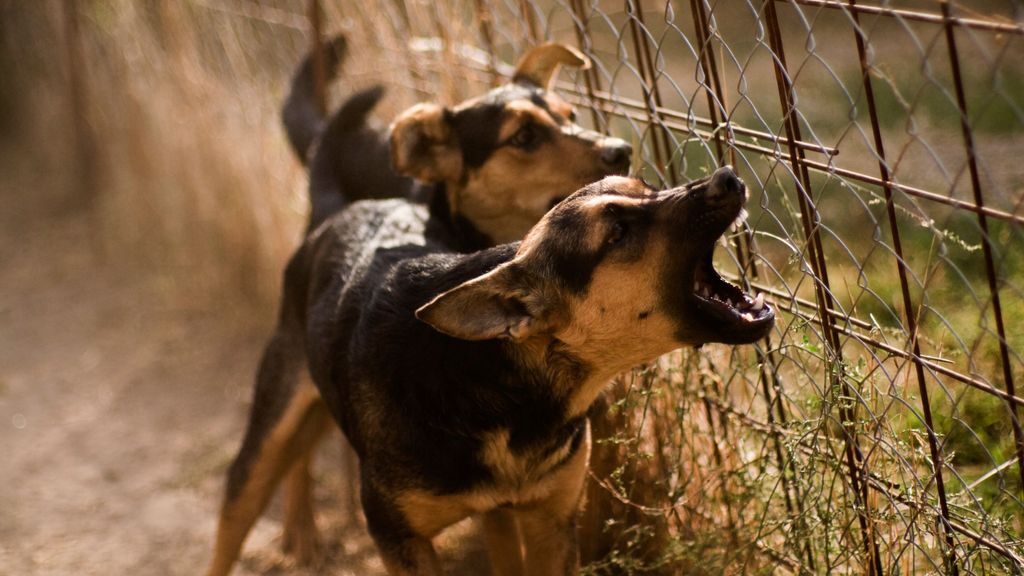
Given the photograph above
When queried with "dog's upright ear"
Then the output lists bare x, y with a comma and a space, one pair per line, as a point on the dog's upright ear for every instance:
539, 66
424, 146
504, 303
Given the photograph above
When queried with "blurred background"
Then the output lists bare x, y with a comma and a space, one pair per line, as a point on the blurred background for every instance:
148, 201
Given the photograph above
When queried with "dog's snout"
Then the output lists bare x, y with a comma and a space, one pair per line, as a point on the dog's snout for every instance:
616, 153
724, 183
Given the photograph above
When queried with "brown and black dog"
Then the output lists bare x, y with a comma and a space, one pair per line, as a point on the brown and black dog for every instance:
488, 168
463, 380
496, 163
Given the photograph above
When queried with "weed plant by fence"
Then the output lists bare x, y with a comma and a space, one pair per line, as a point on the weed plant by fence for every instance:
878, 428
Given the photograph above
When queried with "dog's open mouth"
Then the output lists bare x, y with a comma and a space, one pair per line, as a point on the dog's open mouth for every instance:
725, 301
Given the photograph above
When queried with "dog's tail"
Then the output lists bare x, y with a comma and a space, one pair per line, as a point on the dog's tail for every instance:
303, 119
344, 166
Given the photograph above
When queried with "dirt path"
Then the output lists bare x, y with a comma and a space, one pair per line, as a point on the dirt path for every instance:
118, 412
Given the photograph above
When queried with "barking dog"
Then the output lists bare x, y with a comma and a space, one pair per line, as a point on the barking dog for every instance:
489, 168
463, 380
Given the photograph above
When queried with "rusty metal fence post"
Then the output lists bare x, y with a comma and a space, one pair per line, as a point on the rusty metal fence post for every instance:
809, 214
986, 241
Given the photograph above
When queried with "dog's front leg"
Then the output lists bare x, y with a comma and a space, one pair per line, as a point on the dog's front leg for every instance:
404, 552
410, 557
550, 541
504, 545
548, 525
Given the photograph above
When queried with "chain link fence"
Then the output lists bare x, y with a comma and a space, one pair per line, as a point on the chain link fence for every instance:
877, 429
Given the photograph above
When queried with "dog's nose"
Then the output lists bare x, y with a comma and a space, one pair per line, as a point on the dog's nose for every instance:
616, 153
724, 181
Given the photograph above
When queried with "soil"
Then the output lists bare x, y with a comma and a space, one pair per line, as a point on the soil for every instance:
120, 411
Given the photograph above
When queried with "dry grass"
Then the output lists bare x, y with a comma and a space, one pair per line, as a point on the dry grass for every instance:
192, 179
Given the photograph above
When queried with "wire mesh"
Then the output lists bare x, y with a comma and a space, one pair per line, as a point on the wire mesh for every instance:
877, 429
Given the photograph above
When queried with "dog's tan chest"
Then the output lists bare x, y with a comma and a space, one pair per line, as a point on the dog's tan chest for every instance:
521, 480
519, 470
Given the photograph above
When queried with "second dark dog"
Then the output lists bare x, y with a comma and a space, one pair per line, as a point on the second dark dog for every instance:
492, 165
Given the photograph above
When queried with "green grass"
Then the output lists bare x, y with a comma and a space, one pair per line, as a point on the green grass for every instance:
992, 99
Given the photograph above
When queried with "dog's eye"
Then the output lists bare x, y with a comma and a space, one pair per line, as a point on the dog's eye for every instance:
618, 231
572, 115
526, 137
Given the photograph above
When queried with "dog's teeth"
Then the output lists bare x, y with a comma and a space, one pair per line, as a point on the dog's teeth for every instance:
748, 316
758, 302
696, 286
705, 291
729, 302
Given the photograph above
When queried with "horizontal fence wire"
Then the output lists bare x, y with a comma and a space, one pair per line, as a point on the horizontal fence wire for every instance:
877, 428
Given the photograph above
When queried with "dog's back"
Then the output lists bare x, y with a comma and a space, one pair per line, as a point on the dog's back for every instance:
354, 238
360, 277
363, 306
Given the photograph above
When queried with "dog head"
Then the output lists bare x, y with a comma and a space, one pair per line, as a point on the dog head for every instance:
617, 274
508, 156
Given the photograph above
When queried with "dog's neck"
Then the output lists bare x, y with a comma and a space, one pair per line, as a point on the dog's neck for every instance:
542, 362
574, 380
494, 379
460, 233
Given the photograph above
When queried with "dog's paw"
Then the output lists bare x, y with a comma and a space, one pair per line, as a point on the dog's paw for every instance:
301, 542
